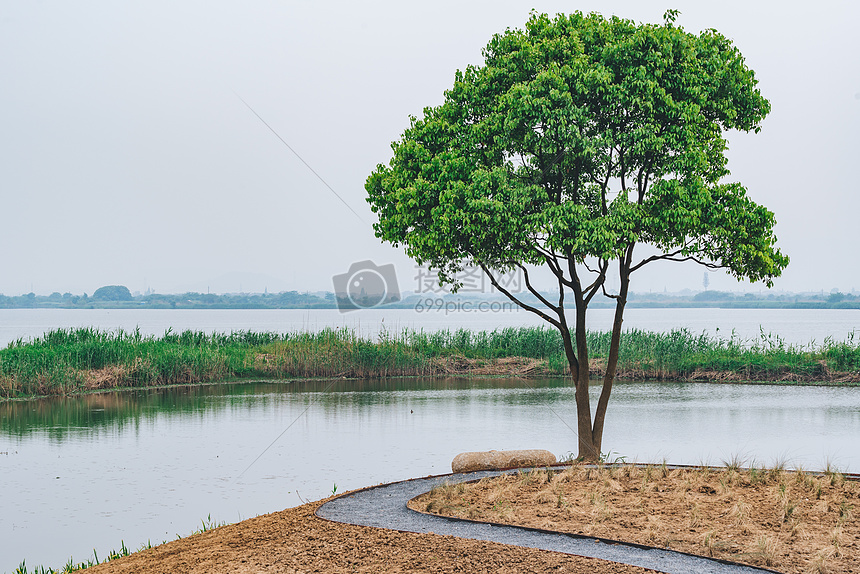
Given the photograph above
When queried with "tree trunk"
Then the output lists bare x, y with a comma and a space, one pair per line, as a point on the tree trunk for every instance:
580, 371
612, 360
583, 408
588, 450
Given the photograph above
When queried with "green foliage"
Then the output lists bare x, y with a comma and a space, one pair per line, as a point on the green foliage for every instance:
74, 360
577, 139
65, 360
712, 296
113, 293
680, 353
581, 136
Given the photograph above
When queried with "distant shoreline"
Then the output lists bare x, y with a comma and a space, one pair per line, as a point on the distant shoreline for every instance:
752, 305
423, 301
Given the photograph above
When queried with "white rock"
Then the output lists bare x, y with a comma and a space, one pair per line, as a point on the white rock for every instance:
499, 459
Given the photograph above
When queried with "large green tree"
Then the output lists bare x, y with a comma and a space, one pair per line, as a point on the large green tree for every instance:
580, 139
113, 293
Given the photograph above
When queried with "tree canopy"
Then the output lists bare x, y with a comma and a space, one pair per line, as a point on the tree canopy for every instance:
113, 293
579, 138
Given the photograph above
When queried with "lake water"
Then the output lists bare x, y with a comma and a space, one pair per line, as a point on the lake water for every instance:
90, 471
798, 326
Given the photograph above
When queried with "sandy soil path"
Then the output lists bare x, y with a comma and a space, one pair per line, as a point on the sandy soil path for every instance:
296, 541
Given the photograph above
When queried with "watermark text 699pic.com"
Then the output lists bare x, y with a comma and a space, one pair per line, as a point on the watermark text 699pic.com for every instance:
367, 285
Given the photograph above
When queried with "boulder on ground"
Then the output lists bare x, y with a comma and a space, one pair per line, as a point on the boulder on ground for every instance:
499, 459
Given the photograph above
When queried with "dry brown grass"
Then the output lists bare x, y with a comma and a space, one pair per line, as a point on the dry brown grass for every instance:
105, 378
793, 521
295, 541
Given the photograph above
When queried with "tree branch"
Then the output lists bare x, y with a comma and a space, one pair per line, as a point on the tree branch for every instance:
707, 264
672, 257
592, 289
606, 294
533, 291
621, 168
551, 258
589, 290
657, 257
588, 267
555, 267
554, 322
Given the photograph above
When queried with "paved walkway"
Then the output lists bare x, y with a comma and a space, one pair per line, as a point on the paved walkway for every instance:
384, 506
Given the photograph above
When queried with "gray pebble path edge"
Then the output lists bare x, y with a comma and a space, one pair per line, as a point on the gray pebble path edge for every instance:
384, 506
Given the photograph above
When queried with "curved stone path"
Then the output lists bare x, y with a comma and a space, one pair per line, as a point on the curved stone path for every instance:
384, 506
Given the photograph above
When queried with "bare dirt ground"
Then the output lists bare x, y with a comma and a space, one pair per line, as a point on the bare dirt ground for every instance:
296, 541
790, 521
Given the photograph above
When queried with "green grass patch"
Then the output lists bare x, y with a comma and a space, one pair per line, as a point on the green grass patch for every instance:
67, 361
681, 354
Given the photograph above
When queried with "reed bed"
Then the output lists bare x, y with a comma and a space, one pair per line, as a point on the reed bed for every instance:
67, 361
681, 354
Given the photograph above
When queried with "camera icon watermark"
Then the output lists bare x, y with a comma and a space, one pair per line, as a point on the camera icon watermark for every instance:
366, 285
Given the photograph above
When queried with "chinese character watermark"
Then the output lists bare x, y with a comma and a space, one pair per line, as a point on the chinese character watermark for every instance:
367, 285
472, 279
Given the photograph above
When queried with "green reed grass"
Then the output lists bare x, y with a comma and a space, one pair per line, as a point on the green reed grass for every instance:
75, 360
680, 353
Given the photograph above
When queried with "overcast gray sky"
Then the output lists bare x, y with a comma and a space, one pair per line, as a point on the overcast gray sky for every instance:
126, 156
